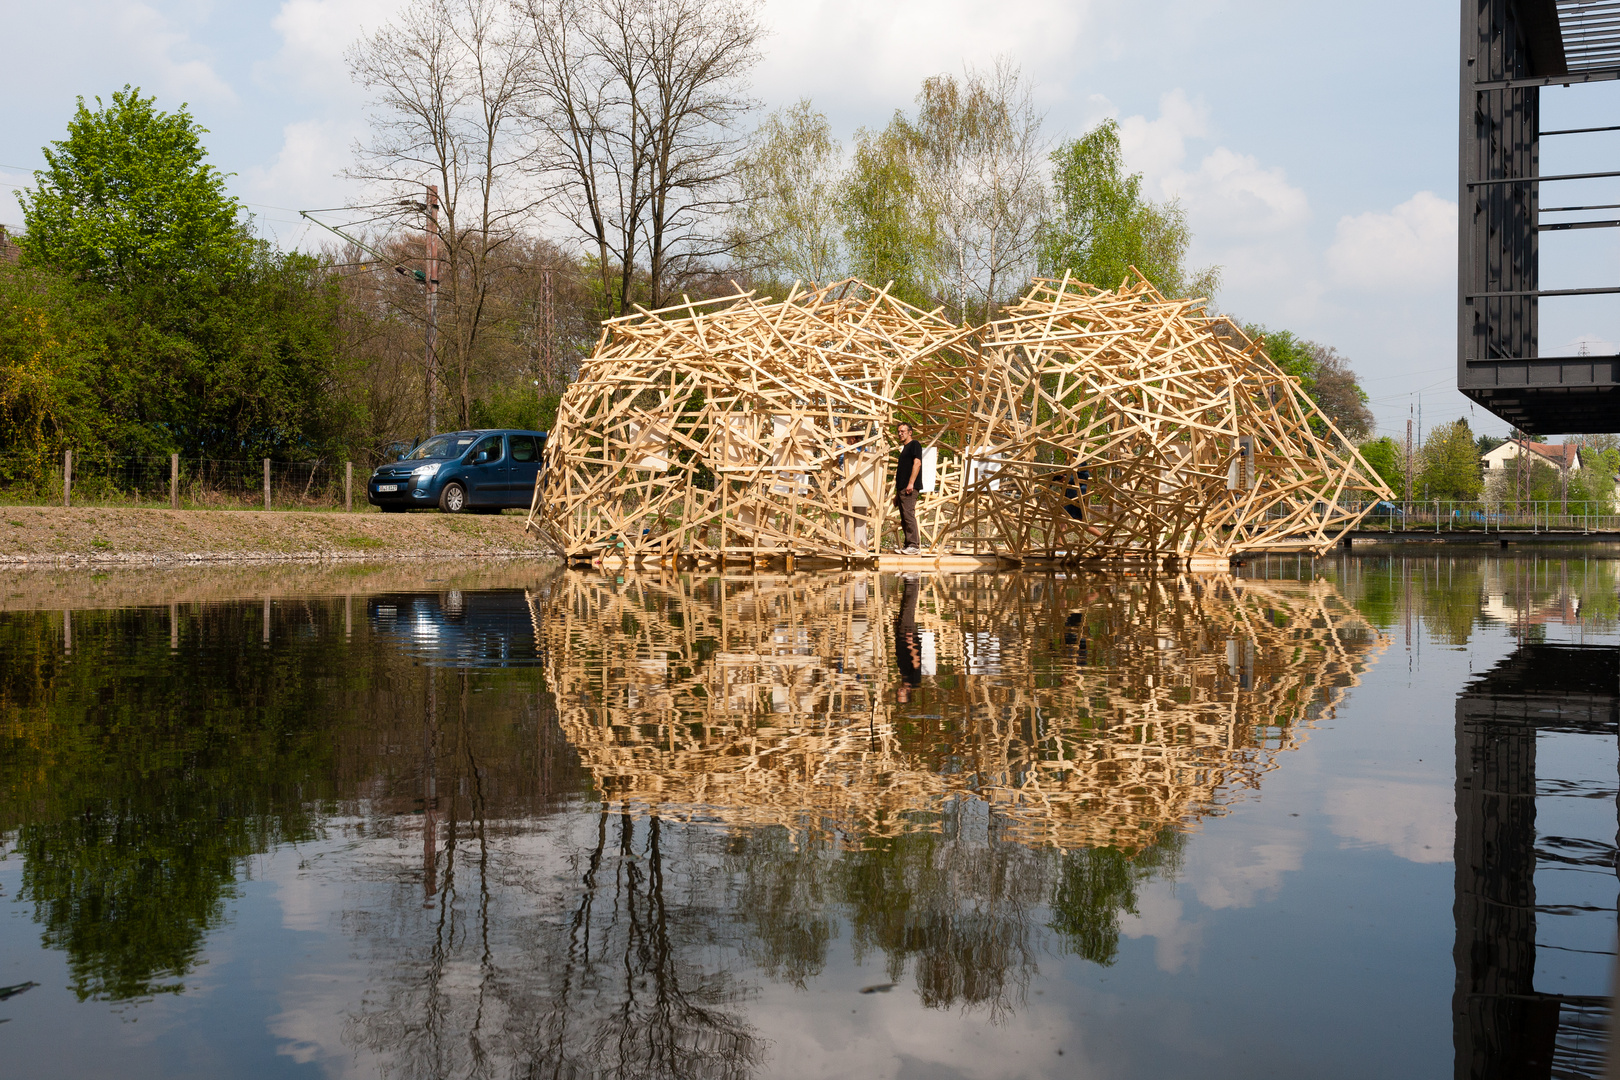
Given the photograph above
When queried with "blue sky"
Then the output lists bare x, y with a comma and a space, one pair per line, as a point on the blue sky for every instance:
1313, 145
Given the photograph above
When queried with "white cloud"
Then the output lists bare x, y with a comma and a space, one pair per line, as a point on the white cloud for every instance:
1156, 148
1228, 193
1234, 194
1414, 821
314, 36
1413, 247
1228, 870
173, 61
1159, 916
312, 153
857, 57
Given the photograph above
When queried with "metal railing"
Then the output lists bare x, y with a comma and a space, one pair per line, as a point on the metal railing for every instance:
1488, 516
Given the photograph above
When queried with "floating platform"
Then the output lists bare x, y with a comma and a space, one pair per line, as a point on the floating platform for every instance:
945, 562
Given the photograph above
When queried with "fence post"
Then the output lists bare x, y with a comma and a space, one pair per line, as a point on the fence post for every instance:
174, 481
67, 478
348, 486
267, 483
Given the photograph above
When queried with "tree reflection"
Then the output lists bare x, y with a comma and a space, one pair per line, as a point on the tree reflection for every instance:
138, 777
137, 784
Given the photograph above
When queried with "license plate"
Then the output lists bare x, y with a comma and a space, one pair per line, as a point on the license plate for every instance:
387, 487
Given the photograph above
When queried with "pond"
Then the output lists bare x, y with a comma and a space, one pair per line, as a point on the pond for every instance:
1344, 818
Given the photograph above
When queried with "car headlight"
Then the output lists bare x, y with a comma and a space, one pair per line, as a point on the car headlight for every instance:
422, 472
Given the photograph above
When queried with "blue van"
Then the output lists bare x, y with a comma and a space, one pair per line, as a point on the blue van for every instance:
483, 472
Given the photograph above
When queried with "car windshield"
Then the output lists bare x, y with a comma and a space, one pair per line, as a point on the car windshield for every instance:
440, 446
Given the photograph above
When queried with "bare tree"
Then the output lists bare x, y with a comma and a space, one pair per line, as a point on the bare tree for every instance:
791, 180
980, 157
446, 79
634, 106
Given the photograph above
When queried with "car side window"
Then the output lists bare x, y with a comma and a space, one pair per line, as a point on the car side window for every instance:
523, 448
490, 445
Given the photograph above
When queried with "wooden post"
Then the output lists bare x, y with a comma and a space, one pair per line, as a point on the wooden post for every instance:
348, 486
174, 627
267, 620
174, 481
267, 485
67, 478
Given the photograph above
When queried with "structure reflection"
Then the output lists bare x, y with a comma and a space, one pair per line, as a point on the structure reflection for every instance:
1503, 1025
1073, 712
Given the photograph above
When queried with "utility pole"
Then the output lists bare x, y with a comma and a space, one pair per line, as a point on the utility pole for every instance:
1408, 508
548, 315
432, 286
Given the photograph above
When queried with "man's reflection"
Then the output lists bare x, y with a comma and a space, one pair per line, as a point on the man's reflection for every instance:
907, 652
1075, 637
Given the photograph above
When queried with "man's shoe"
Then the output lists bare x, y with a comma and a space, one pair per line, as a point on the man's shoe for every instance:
908, 551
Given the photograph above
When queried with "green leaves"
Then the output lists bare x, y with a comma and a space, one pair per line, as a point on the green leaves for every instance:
146, 319
126, 201
1101, 226
1450, 468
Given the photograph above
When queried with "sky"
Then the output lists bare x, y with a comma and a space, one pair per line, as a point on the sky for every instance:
1313, 146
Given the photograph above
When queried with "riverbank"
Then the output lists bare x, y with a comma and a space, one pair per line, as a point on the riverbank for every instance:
31, 588
119, 536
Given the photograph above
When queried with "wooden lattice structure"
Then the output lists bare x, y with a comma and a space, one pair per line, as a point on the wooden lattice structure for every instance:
1086, 424
1077, 713
737, 426
1107, 423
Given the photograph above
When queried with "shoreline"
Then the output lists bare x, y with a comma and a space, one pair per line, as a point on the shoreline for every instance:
88, 537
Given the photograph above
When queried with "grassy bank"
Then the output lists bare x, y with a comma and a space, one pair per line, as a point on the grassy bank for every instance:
33, 535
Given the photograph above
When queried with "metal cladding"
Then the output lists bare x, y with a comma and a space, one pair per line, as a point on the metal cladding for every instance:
1087, 424
1509, 51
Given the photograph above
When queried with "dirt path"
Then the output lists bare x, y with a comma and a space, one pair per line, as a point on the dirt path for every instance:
111, 536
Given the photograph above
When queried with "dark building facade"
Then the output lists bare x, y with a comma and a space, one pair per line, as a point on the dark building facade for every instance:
1511, 50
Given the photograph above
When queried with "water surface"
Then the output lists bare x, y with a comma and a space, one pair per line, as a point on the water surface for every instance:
1341, 819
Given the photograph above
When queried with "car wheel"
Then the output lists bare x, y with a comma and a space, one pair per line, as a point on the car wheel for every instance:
453, 499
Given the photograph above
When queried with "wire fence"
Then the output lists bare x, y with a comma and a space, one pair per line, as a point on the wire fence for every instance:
1485, 516
194, 484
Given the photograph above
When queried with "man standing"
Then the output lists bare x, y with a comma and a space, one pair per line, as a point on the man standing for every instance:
905, 489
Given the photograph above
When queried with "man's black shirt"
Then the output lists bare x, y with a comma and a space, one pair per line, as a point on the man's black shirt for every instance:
909, 453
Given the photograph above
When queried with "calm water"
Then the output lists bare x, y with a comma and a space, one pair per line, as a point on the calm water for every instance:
1348, 819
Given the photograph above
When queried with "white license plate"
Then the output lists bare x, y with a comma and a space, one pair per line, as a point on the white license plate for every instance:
387, 487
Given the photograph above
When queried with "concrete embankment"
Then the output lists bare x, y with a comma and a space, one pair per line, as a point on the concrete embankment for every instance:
117, 536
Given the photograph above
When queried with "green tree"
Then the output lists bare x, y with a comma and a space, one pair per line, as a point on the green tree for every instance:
146, 318
1386, 460
1101, 225
1324, 374
887, 223
1450, 467
126, 200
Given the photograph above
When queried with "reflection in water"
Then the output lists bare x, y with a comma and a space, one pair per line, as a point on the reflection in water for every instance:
575, 826
1504, 1025
1072, 713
